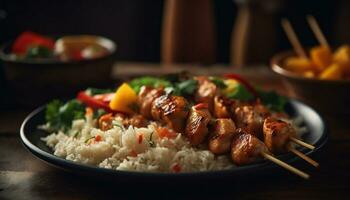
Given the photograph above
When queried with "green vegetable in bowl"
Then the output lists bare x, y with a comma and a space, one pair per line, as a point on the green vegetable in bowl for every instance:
39, 52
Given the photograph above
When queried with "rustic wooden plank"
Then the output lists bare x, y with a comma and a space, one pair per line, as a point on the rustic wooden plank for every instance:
11, 120
22, 176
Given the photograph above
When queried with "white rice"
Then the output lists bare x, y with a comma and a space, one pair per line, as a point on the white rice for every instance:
119, 148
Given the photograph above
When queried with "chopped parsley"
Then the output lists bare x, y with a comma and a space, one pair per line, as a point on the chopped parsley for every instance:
218, 82
151, 142
60, 116
137, 83
272, 100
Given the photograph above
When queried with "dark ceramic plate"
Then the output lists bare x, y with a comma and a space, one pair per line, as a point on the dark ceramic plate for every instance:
30, 136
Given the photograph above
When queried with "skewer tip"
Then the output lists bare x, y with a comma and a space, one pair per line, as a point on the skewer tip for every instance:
303, 156
285, 165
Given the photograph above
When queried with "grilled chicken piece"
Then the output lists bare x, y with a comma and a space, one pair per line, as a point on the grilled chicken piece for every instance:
223, 107
247, 149
206, 91
145, 99
171, 110
197, 125
277, 134
251, 117
136, 121
221, 140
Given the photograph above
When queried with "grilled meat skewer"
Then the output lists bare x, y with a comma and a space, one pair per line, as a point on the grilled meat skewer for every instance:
221, 139
197, 124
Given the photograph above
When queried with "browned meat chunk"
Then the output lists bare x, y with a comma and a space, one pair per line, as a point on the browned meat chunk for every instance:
277, 134
171, 110
136, 121
145, 99
247, 149
206, 91
221, 140
223, 107
251, 117
197, 125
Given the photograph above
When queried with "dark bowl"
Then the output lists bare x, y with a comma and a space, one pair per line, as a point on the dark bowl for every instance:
34, 81
329, 96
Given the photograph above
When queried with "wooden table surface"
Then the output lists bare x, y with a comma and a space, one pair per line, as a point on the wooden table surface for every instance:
22, 176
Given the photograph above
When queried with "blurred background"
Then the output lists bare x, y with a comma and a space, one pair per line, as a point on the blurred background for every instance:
136, 25
234, 33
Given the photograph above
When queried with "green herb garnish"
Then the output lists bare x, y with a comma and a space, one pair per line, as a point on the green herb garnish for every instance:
218, 82
187, 87
87, 140
241, 93
60, 116
151, 142
272, 100
39, 52
98, 113
95, 91
136, 84
118, 124
184, 88
75, 134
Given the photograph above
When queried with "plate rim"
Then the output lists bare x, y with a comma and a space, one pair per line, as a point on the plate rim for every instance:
68, 165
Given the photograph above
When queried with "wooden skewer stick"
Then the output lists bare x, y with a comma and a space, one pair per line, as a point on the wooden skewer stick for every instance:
293, 38
304, 157
285, 165
317, 30
301, 143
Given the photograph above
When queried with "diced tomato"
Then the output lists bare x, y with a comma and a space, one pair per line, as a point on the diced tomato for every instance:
140, 138
98, 138
243, 82
165, 132
88, 111
133, 153
176, 168
105, 121
77, 55
201, 106
28, 39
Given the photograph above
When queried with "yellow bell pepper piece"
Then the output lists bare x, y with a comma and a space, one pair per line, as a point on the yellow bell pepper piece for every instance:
309, 74
123, 99
298, 64
333, 72
231, 86
342, 57
321, 56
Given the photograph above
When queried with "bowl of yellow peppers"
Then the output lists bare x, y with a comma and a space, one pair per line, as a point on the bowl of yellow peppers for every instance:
322, 79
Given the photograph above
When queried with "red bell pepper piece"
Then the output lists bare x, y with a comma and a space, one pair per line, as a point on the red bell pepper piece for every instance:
77, 55
201, 106
176, 168
92, 102
28, 39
